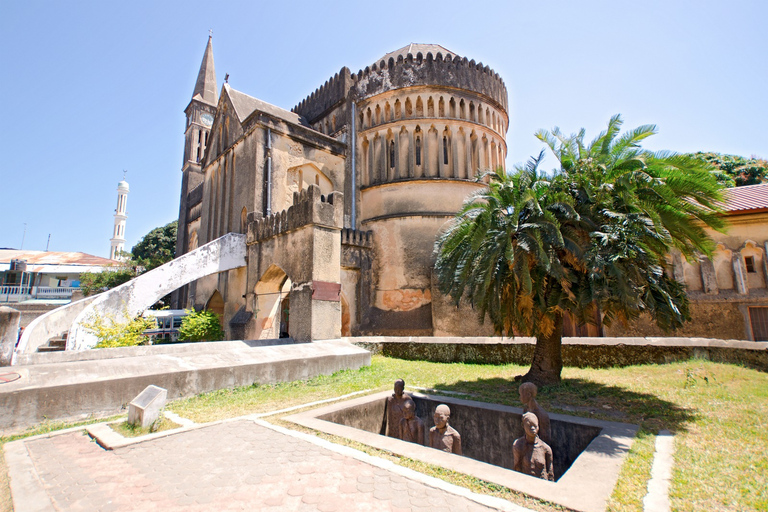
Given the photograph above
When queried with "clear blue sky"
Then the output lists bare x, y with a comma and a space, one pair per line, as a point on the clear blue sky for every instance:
92, 88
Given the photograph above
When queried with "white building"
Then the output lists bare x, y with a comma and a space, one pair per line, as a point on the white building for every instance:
117, 242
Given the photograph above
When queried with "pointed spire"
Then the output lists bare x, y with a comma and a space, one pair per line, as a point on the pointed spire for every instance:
205, 87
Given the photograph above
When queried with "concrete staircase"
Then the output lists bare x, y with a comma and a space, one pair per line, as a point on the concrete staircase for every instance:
55, 344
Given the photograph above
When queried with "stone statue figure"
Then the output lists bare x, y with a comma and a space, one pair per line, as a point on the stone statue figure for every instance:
442, 436
411, 426
395, 408
532, 455
528, 397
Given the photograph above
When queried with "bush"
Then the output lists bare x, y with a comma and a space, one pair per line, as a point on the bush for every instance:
112, 333
201, 326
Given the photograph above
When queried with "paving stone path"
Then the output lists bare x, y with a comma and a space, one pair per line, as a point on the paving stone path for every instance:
237, 465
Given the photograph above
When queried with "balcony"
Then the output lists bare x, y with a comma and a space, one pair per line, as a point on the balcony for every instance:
16, 293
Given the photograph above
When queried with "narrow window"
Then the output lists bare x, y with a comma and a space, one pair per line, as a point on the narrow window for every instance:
418, 150
392, 154
750, 263
445, 150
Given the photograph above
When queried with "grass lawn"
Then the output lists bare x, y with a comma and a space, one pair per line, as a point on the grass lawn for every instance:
718, 413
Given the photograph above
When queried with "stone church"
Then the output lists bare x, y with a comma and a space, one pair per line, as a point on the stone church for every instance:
340, 198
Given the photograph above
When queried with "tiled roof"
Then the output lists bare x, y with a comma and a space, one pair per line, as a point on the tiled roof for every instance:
245, 105
54, 258
746, 199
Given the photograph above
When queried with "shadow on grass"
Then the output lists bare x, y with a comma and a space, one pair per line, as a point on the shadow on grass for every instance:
580, 397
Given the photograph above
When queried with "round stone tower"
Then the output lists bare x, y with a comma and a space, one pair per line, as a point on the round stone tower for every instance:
428, 122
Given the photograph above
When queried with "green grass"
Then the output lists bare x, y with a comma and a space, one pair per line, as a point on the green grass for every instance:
125, 429
718, 413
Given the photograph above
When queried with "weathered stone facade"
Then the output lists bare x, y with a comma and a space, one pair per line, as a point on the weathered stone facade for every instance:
392, 151
728, 293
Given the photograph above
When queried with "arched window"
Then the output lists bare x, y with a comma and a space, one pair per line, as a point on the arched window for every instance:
445, 150
418, 150
391, 154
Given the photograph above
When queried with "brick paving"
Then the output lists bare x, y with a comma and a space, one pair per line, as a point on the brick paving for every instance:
236, 465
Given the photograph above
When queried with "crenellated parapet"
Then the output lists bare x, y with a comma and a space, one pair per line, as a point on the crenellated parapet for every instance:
437, 70
310, 207
356, 237
326, 96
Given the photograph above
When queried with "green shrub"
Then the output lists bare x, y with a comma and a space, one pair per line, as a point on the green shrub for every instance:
97, 282
112, 333
201, 326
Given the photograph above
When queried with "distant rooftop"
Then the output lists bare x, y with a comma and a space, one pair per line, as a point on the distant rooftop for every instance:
49, 261
747, 199
415, 48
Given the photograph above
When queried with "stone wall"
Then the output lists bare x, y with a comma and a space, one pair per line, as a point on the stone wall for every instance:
709, 317
579, 352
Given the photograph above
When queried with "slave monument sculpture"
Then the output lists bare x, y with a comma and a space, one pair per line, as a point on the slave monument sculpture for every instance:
395, 408
411, 426
528, 393
532, 456
442, 436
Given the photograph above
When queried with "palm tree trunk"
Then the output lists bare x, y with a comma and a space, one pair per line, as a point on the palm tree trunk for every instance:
547, 357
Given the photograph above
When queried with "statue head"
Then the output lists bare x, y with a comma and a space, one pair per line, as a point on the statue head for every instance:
442, 415
409, 409
530, 426
527, 392
399, 388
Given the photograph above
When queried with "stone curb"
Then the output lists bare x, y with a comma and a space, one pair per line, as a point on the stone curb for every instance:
27, 491
657, 499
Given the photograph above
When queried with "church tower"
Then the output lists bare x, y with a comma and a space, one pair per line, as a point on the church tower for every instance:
200, 113
117, 242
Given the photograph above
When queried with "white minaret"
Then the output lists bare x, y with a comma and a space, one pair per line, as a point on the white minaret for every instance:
117, 242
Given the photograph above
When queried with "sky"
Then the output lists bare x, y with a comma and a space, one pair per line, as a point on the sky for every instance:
95, 88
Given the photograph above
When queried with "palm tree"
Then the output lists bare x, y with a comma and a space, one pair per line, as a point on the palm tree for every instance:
597, 234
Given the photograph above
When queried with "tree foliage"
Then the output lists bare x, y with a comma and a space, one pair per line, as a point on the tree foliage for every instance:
736, 171
112, 333
596, 234
201, 326
97, 282
156, 247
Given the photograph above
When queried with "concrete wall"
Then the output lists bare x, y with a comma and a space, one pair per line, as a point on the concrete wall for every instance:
9, 334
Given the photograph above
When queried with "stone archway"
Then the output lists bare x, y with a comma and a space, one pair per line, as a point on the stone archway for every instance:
216, 304
346, 317
271, 292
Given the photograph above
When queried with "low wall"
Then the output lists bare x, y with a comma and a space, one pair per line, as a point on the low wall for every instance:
579, 352
104, 385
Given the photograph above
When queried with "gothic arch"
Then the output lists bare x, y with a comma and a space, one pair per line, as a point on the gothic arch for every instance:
270, 291
215, 303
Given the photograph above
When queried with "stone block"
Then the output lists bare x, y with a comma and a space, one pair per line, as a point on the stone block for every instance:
145, 408
9, 333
